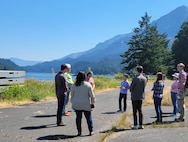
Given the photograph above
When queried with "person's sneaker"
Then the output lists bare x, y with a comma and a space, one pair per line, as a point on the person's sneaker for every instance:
61, 124
134, 127
157, 122
79, 134
179, 120
173, 115
91, 133
119, 110
140, 127
67, 113
72, 110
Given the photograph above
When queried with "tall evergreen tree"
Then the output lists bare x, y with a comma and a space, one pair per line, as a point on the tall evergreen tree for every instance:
180, 46
147, 48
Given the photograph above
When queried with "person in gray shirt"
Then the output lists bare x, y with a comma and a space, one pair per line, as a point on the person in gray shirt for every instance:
137, 89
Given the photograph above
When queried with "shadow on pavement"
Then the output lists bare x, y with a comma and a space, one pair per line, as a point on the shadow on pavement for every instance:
164, 122
42, 116
110, 112
115, 130
164, 114
56, 137
38, 127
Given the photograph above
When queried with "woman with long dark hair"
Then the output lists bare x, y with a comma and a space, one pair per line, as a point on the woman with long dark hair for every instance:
82, 99
157, 89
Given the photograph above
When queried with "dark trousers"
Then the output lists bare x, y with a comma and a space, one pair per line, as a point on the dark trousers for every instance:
157, 104
60, 107
124, 97
137, 106
88, 117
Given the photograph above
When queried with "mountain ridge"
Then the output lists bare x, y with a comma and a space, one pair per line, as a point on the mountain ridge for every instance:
22, 62
109, 51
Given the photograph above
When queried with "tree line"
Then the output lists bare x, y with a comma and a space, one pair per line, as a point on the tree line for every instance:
149, 48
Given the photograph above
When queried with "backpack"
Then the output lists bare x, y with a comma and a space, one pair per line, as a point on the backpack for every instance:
186, 83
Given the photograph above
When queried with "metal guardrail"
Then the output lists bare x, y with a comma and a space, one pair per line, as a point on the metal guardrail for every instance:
9, 77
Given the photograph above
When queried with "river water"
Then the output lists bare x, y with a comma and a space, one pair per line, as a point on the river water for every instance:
39, 76
47, 76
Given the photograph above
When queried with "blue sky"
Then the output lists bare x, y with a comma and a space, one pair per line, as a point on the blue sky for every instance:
44, 30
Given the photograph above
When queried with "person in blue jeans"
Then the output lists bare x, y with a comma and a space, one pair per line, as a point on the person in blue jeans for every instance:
123, 93
82, 99
157, 89
174, 92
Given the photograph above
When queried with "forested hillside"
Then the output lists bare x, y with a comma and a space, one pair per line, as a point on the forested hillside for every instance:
6, 64
105, 58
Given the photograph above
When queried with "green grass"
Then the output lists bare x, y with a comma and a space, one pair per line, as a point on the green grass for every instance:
31, 90
34, 90
102, 83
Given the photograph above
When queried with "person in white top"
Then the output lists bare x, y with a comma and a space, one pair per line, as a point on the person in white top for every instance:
90, 79
174, 92
82, 99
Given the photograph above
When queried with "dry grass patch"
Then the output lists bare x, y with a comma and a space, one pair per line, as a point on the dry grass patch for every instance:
166, 101
105, 136
121, 124
168, 125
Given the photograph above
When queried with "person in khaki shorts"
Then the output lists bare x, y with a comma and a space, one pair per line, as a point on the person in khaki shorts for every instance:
181, 91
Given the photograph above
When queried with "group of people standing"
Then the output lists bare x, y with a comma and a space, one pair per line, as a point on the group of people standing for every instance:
177, 92
137, 89
82, 96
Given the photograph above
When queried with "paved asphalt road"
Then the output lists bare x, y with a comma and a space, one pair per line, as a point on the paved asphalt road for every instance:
170, 131
37, 122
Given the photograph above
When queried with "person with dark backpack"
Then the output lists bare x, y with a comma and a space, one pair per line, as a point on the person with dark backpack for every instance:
181, 92
186, 84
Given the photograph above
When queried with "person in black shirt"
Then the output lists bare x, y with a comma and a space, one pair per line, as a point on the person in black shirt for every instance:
61, 88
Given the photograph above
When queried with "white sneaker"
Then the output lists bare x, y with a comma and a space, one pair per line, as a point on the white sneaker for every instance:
140, 127
134, 127
119, 110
